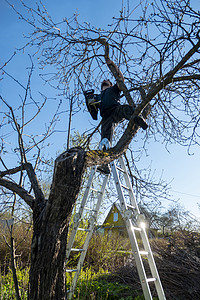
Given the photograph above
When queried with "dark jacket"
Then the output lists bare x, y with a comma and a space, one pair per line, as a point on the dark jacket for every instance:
110, 98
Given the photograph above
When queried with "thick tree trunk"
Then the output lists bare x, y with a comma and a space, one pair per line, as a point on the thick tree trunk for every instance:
51, 219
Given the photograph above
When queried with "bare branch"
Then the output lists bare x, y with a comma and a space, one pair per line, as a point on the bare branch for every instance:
168, 78
186, 78
14, 187
20, 139
12, 171
34, 182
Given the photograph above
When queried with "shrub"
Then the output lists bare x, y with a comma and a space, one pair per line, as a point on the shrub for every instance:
22, 234
107, 252
7, 288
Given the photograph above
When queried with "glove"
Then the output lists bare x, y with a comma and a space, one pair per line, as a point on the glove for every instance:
104, 144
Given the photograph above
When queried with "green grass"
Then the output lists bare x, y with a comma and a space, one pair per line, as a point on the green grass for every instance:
7, 288
91, 286
97, 286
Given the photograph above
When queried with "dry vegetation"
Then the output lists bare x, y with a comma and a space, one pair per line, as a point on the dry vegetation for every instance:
177, 257
22, 234
178, 261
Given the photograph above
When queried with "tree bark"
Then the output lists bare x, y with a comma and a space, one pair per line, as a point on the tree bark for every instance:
50, 228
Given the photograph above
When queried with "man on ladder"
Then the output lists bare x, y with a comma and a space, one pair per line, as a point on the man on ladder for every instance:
111, 111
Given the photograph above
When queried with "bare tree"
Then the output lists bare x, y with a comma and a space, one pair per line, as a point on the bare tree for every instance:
158, 54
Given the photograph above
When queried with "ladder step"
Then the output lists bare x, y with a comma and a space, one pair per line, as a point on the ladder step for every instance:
94, 190
83, 229
136, 228
151, 279
77, 250
71, 270
125, 187
130, 206
144, 252
121, 170
90, 209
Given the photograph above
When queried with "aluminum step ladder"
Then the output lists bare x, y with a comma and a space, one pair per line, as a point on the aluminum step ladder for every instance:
135, 224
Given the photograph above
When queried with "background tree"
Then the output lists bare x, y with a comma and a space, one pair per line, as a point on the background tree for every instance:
158, 54
176, 218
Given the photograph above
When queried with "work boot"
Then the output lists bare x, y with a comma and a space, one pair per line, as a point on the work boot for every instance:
139, 121
105, 169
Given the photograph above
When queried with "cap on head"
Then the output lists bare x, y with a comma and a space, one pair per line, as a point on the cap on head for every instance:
106, 82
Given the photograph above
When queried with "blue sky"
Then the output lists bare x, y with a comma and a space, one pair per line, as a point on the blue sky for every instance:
179, 168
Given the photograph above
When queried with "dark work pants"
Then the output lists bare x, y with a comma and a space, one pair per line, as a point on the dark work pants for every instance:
112, 118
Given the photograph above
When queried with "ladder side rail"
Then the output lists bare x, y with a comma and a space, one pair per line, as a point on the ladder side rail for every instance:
144, 237
118, 186
87, 190
101, 195
88, 237
80, 213
132, 236
80, 261
129, 185
152, 265
138, 259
